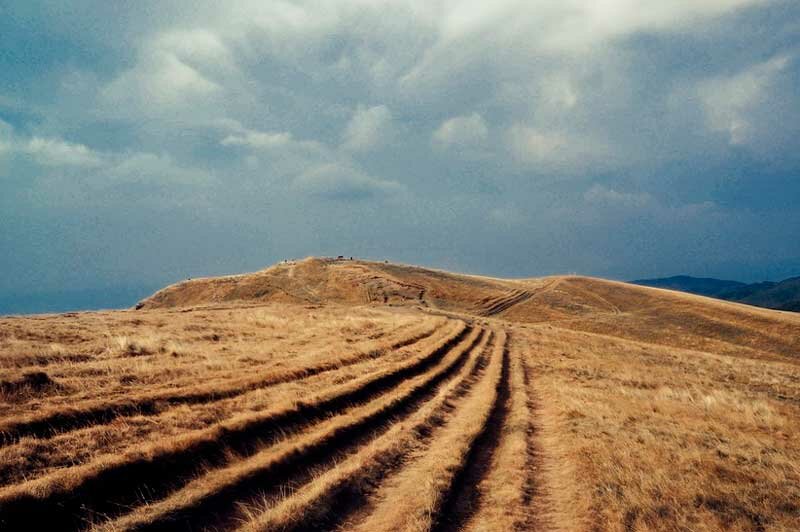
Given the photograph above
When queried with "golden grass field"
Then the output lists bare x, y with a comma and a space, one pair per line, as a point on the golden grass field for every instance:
350, 395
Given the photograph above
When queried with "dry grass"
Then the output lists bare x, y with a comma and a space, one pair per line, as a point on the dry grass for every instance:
665, 438
342, 395
220, 359
88, 445
330, 497
291, 450
239, 432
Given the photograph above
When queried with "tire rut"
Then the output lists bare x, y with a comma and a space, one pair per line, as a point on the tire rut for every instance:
112, 491
501, 305
462, 500
217, 510
351, 497
414, 498
62, 422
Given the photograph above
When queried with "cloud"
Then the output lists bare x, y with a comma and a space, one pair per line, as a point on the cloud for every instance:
281, 153
150, 168
601, 195
368, 128
471, 32
467, 130
508, 216
615, 203
258, 140
490, 115
343, 182
48, 151
6, 135
584, 24
196, 45
176, 70
730, 101
62, 165
558, 151
56, 152
313, 168
532, 145
6, 130
160, 79
559, 91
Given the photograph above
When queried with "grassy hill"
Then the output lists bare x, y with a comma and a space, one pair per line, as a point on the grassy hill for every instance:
331, 394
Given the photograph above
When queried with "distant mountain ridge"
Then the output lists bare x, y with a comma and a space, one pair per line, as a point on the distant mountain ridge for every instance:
782, 295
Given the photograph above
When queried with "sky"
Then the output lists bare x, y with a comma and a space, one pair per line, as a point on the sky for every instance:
145, 142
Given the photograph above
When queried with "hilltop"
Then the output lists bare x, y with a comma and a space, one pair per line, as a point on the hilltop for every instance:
576, 302
331, 394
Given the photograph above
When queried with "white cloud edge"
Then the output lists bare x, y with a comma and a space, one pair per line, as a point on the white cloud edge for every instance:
367, 128
463, 130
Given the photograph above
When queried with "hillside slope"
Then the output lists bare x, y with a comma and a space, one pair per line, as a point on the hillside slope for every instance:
350, 282
582, 303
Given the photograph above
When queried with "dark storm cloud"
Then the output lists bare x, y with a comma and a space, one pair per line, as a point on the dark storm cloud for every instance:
151, 141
